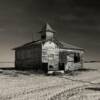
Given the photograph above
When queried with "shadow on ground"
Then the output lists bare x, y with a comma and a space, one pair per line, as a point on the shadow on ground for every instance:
11, 71
77, 72
93, 88
15, 73
86, 69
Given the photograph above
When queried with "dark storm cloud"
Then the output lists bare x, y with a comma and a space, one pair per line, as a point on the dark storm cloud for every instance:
76, 22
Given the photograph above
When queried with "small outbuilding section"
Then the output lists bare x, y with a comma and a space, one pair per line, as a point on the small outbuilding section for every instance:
48, 54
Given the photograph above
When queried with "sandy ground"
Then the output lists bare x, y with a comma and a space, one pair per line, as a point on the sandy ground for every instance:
26, 85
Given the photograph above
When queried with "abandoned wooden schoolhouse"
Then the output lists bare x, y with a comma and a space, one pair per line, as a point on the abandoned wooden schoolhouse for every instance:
48, 54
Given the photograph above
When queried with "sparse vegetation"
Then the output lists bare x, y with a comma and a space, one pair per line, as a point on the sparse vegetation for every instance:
27, 85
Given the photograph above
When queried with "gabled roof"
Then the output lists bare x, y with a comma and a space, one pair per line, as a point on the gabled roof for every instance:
61, 45
47, 27
28, 44
64, 45
69, 46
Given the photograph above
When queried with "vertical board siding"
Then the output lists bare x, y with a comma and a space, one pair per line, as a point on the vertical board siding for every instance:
29, 57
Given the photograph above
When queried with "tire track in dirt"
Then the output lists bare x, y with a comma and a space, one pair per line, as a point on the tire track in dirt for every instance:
73, 91
31, 90
58, 86
70, 92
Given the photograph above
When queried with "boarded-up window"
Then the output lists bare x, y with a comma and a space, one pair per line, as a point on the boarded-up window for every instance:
63, 57
45, 58
51, 56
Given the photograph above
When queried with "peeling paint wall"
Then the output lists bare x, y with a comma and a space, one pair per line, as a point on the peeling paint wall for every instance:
50, 55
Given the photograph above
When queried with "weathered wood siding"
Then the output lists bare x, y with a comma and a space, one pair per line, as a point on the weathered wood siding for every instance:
28, 57
71, 64
50, 55
66, 57
47, 56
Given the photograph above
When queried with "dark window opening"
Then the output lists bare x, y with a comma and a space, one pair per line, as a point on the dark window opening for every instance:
76, 57
50, 66
43, 36
45, 67
61, 66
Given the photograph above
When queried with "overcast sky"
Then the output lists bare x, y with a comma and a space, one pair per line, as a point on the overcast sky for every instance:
75, 22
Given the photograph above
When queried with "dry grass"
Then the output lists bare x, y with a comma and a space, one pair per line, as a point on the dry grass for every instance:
24, 85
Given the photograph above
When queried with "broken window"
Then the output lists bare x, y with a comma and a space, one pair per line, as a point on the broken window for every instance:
76, 57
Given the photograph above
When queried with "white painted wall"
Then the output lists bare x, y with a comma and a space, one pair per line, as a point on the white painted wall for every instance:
50, 54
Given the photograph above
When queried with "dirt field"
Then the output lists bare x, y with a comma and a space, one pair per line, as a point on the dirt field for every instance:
27, 85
